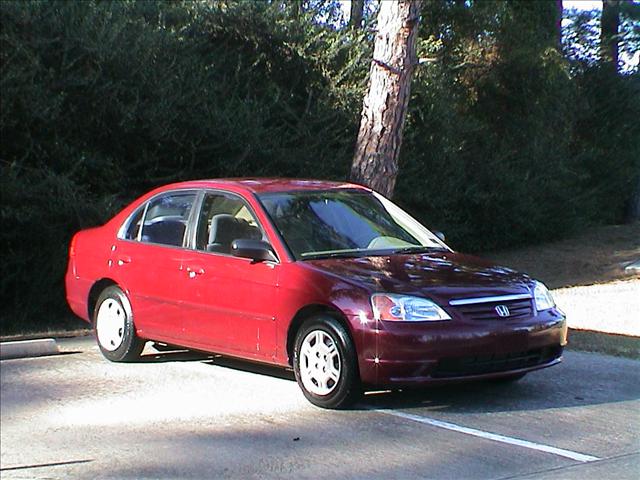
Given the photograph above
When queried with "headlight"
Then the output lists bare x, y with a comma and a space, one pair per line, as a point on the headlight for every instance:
542, 297
403, 308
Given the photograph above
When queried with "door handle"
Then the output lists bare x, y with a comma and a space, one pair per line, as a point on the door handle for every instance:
122, 259
194, 271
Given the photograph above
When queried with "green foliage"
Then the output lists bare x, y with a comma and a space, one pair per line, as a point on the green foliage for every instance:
506, 141
606, 142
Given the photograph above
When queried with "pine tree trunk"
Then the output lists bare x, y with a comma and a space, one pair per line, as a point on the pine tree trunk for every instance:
558, 24
357, 9
634, 204
609, 26
384, 109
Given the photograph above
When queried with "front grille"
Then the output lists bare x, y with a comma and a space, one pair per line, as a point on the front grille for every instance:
499, 362
520, 308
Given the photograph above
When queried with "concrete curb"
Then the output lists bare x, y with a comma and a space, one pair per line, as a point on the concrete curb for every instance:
28, 348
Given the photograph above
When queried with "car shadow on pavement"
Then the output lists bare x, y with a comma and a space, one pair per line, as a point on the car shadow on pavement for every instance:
174, 356
584, 379
182, 355
258, 368
572, 385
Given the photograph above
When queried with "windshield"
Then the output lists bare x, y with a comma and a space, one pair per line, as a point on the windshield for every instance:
317, 224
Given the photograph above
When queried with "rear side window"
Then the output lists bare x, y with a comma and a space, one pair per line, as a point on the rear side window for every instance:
165, 221
133, 226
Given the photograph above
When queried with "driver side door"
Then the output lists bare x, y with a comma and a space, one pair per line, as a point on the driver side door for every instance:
230, 301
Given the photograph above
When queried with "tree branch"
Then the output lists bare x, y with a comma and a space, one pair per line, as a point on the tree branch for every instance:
386, 66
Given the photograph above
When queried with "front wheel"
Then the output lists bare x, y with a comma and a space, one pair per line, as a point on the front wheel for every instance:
325, 363
113, 323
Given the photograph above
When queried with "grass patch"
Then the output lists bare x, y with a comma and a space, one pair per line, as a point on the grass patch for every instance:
607, 343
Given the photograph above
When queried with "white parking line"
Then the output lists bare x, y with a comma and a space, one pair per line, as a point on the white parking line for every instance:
580, 457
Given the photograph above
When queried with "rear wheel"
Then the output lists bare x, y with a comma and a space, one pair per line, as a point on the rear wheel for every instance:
325, 363
113, 323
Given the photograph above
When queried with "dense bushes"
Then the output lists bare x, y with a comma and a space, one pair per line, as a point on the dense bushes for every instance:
102, 100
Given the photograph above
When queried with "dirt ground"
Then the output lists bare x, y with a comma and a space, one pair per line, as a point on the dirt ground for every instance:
590, 284
596, 256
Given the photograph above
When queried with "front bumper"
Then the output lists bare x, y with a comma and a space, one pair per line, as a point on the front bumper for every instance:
394, 354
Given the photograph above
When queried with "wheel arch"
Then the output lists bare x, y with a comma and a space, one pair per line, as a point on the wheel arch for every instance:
310, 311
94, 293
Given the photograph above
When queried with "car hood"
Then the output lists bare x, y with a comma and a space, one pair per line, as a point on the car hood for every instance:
439, 275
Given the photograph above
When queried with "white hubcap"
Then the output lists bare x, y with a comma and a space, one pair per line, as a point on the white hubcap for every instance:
110, 324
319, 363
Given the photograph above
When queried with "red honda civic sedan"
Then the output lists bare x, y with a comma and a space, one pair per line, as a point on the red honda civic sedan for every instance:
331, 279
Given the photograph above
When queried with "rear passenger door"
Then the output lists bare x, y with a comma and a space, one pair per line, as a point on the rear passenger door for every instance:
147, 261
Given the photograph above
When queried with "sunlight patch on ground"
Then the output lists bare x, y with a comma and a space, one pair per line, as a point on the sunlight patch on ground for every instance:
171, 403
612, 307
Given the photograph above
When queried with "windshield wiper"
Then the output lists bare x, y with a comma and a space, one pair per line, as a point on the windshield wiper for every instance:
320, 256
418, 249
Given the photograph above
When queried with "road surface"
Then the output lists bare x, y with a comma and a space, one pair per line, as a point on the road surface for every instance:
183, 415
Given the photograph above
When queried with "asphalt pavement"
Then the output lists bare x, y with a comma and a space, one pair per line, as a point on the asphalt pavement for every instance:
184, 415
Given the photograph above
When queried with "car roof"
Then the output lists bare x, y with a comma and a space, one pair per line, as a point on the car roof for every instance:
265, 185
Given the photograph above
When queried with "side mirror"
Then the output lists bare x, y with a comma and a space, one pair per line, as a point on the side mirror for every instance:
440, 235
257, 250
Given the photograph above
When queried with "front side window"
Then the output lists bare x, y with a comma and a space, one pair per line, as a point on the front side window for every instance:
166, 217
223, 219
344, 223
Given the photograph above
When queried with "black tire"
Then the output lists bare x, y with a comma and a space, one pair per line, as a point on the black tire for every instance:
347, 389
119, 344
508, 379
